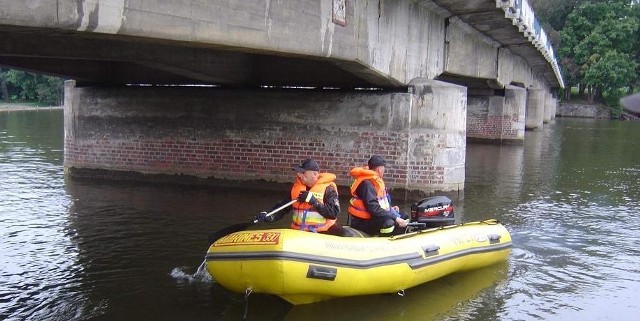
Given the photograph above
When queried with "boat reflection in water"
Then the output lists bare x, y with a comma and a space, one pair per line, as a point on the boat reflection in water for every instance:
458, 296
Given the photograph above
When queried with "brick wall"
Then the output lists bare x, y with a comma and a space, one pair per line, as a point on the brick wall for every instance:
486, 120
495, 127
238, 158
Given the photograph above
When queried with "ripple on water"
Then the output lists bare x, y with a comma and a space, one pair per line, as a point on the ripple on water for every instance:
39, 262
575, 230
568, 253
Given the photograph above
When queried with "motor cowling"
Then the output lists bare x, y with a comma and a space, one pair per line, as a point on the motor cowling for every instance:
434, 211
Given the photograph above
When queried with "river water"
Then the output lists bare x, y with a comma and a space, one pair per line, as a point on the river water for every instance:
106, 250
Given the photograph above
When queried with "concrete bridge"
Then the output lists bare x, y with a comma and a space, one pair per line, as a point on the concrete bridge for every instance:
228, 91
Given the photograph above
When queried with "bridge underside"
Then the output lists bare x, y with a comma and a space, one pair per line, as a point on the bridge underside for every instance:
241, 90
97, 59
384, 44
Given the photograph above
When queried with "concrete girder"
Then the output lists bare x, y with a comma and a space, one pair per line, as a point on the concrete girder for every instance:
383, 44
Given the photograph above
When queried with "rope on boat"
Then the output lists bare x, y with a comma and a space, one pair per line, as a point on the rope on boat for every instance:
201, 267
247, 292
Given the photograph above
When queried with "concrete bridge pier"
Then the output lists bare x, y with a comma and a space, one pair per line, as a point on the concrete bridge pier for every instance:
515, 114
437, 136
554, 107
535, 108
497, 117
224, 136
548, 107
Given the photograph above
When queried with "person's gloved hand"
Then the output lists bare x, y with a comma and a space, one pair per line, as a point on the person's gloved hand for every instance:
305, 196
263, 217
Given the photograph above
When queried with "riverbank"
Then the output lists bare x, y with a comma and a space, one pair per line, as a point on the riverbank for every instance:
19, 107
582, 110
579, 109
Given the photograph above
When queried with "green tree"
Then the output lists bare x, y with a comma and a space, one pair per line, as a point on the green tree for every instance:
25, 86
636, 14
552, 15
599, 46
611, 73
554, 12
4, 90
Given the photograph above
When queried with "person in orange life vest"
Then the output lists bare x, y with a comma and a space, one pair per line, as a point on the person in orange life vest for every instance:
370, 208
317, 205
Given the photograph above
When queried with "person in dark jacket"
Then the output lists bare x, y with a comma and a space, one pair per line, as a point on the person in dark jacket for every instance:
317, 205
370, 208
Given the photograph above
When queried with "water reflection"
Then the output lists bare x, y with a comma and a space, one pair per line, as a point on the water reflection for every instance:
105, 250
571, 204
455, 297
135, 235
39, 270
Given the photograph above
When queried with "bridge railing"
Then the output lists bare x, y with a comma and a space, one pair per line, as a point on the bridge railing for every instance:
521, 14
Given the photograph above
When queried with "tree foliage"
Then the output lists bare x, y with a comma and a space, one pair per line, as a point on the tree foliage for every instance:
599, 47
25, 86
554, 12
552, 15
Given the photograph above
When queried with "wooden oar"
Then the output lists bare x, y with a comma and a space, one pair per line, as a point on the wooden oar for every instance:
243, 226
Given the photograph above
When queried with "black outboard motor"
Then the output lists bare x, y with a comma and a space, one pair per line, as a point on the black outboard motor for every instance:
434, 211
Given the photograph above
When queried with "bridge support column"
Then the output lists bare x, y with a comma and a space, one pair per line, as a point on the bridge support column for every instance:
535, 108
548, 106
515, 111
219, 136
436, 130
497, 118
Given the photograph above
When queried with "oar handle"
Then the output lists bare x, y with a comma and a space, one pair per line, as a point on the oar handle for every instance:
278, 209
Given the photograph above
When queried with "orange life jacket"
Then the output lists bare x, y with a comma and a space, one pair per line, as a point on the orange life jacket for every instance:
357, 207
304, 216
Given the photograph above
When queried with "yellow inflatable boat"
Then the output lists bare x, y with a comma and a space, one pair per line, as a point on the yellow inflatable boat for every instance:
303, 267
